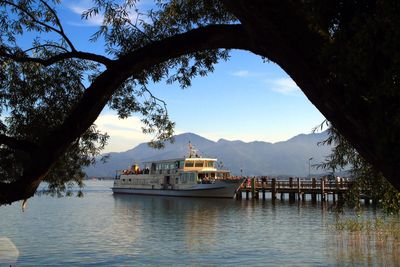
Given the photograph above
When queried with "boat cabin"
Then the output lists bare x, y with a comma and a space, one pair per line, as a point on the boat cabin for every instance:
174, 172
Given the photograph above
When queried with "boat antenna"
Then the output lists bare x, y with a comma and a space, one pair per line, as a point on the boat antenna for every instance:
192, 151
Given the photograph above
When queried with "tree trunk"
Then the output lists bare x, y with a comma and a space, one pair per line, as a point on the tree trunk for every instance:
279, 31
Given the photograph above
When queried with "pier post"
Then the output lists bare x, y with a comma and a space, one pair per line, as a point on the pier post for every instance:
239, 194
340, 198
292, 195
298, 189
323, 198
254, 194
273, 190
263, 185
313, 194
336, 191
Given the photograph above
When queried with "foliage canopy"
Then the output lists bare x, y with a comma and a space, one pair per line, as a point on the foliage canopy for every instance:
366, 180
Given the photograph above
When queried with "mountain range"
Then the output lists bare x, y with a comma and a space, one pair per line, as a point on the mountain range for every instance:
286, 158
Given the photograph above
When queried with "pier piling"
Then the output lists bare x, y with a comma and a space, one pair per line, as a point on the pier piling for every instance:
313, 192
273, 190
297, 189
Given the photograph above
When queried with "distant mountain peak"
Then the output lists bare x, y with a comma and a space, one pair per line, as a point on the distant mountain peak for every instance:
254, 158
322, 135
190, 137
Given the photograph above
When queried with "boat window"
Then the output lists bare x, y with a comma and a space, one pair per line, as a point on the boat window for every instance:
189, 164
181, 164
210, 163
199, 164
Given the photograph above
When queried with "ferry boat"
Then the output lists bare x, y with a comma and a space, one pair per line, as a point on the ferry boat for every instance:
191, 176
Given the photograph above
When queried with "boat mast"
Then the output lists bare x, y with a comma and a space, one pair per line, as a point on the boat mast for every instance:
192, 151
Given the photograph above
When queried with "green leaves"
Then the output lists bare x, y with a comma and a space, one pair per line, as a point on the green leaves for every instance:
41, 85
367, 180
36, 100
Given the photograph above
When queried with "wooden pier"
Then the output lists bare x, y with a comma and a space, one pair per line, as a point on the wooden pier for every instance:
294, 188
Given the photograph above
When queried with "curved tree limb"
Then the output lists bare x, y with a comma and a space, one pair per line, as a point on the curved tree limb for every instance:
100, 91
59, 57
274, 29
46, 45
281, 28
17, 144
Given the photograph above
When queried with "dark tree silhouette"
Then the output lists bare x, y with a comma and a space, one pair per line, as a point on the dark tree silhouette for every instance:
343, 55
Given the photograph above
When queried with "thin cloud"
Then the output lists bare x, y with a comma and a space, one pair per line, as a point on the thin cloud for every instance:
285, 86
124, 133
241, 73
79, 8
247, 73
114, 125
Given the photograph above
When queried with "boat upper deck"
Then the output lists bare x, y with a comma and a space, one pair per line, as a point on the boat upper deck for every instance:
183, 164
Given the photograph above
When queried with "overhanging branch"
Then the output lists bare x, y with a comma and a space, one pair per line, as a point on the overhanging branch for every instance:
101, 90
17, 144
62, 56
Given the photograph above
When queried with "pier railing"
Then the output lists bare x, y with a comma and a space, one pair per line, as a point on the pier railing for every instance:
292, 187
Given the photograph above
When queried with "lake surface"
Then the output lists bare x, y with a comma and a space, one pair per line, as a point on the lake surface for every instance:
102, 229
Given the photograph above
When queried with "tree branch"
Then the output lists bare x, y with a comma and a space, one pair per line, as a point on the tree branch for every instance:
46, 45
18, 144
46, 26
156, 99
100, 91
61, 32
52, 60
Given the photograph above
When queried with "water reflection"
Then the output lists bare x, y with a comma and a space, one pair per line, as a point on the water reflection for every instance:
103, 229
193, 220
8, 252
124, 228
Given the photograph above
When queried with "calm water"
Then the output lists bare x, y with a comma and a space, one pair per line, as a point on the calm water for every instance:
103, 229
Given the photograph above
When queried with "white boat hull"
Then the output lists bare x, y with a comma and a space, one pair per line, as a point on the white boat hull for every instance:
220, 189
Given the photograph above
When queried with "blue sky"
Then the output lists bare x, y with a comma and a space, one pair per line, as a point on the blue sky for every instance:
243, 99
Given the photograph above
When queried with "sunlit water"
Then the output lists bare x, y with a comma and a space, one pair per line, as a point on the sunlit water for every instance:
103, 229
